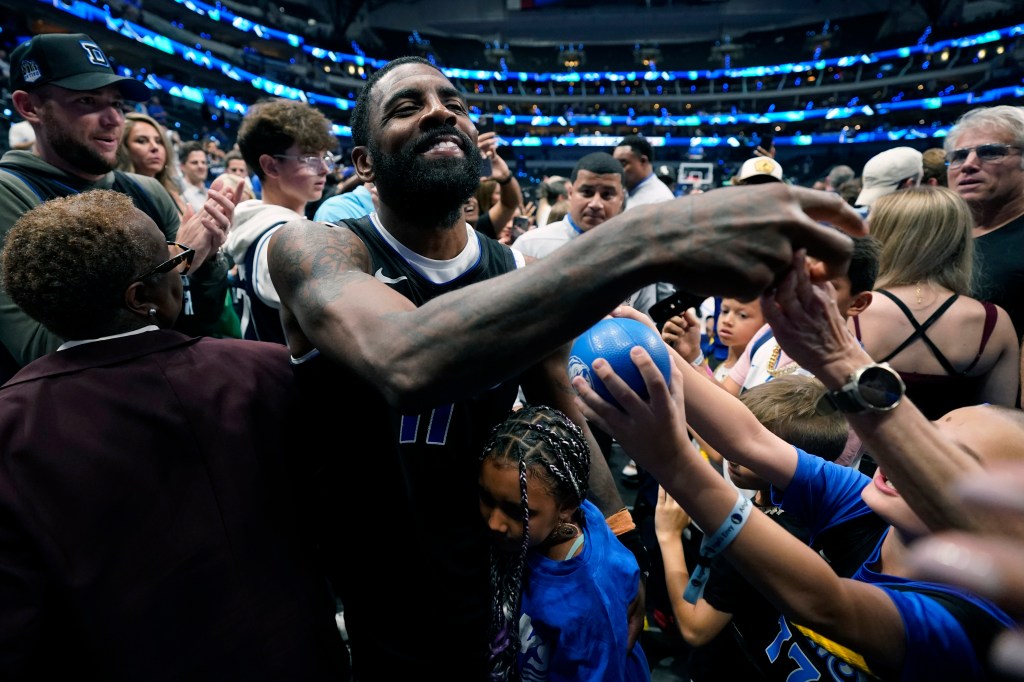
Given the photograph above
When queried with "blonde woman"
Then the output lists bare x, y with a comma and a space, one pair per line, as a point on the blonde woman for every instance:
950, 349
144, 151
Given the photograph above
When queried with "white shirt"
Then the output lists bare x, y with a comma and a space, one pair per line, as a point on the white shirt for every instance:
20, 133
650, 191
541, 241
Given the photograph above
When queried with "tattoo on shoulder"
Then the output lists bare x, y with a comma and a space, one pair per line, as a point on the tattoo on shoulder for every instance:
310, 250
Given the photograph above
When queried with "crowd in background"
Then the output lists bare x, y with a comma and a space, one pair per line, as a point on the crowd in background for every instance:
934, 291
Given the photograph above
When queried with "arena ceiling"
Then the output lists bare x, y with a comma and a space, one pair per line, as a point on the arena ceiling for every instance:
554, 22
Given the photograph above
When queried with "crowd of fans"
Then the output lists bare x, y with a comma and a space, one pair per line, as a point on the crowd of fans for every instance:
302, 283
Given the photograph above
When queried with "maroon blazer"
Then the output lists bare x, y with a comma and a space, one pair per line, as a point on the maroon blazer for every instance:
149, 528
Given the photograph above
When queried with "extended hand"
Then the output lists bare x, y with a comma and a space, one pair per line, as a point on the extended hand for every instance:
739, 241
682, 333
806, 321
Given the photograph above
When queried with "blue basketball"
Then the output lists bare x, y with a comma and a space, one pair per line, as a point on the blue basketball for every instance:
611, 339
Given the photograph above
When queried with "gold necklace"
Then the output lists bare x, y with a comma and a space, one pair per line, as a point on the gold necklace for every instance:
773, 361
918, 292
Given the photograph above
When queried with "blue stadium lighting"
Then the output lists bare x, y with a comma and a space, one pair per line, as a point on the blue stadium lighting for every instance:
199, 56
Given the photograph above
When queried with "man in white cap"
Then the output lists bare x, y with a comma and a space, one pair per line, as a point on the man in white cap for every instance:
64, 86
890, 171
758, 170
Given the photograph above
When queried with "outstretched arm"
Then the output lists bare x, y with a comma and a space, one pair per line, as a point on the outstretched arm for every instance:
698, 623
511, 196
918, 459
725, 424
789, 573
736, 241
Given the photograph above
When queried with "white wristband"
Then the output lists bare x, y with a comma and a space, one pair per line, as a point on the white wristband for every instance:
699, 360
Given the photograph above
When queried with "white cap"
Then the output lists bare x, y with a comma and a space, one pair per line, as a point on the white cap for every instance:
764, 166
884, 172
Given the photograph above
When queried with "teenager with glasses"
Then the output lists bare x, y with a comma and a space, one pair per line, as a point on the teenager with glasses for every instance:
149, 527
986, 168
289, 146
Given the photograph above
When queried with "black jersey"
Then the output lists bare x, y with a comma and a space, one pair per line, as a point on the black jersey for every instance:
399, 497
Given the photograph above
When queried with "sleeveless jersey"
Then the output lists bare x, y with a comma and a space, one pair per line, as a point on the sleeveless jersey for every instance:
419, 473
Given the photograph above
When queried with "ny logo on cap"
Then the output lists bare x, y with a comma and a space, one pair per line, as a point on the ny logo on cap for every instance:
94, 54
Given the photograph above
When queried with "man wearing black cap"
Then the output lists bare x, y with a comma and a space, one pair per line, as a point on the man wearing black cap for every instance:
64, 86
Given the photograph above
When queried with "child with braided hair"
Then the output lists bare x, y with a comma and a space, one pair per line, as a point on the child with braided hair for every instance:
561, 582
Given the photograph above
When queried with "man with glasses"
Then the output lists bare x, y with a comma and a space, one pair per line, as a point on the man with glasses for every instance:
151, 522
985, 167
288, 145
64, 86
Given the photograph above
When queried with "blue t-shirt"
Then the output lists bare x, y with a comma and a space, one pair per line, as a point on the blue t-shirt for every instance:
354, 204
823, 494
574, 624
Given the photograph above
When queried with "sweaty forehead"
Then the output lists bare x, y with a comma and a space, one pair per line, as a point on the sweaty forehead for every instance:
411, 78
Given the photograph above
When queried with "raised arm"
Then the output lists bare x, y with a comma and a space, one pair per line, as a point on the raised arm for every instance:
698, 623
724, 240
789, 573
725, 423
918, 459
511, 196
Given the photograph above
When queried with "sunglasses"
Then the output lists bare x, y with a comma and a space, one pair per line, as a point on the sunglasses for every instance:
987, 153
186, 256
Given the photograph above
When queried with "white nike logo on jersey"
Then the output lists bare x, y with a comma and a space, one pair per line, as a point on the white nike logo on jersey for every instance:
387, 280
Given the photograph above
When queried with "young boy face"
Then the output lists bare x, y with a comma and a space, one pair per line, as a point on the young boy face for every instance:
844, 296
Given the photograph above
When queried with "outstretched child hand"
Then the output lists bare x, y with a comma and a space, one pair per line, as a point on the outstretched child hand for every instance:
653, 431
682, 333
669, 518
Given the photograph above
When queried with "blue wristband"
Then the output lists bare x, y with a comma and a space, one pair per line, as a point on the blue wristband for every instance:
712, 546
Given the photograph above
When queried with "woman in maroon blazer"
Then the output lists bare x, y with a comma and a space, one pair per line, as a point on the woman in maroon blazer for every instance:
148, 522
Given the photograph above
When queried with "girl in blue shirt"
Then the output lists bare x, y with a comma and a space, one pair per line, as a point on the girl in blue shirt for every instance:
561, 581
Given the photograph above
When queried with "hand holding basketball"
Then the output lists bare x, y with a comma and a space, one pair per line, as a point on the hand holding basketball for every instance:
612, 339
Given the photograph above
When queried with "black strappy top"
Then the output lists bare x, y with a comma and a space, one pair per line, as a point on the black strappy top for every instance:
937, 394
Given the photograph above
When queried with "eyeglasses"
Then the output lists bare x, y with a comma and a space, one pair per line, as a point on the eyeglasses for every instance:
186, 256
986, 153
313, 162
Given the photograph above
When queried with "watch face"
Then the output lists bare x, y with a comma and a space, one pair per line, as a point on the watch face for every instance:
880, 388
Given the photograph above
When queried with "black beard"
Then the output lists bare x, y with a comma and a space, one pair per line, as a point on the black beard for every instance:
429, 191
75, 153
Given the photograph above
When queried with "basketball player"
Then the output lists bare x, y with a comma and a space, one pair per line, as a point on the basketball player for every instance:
399, 321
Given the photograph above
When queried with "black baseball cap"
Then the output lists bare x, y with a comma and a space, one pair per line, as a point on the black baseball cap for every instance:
69, 60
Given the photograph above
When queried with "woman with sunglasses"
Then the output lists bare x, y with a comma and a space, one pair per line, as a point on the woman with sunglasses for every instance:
148, 520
